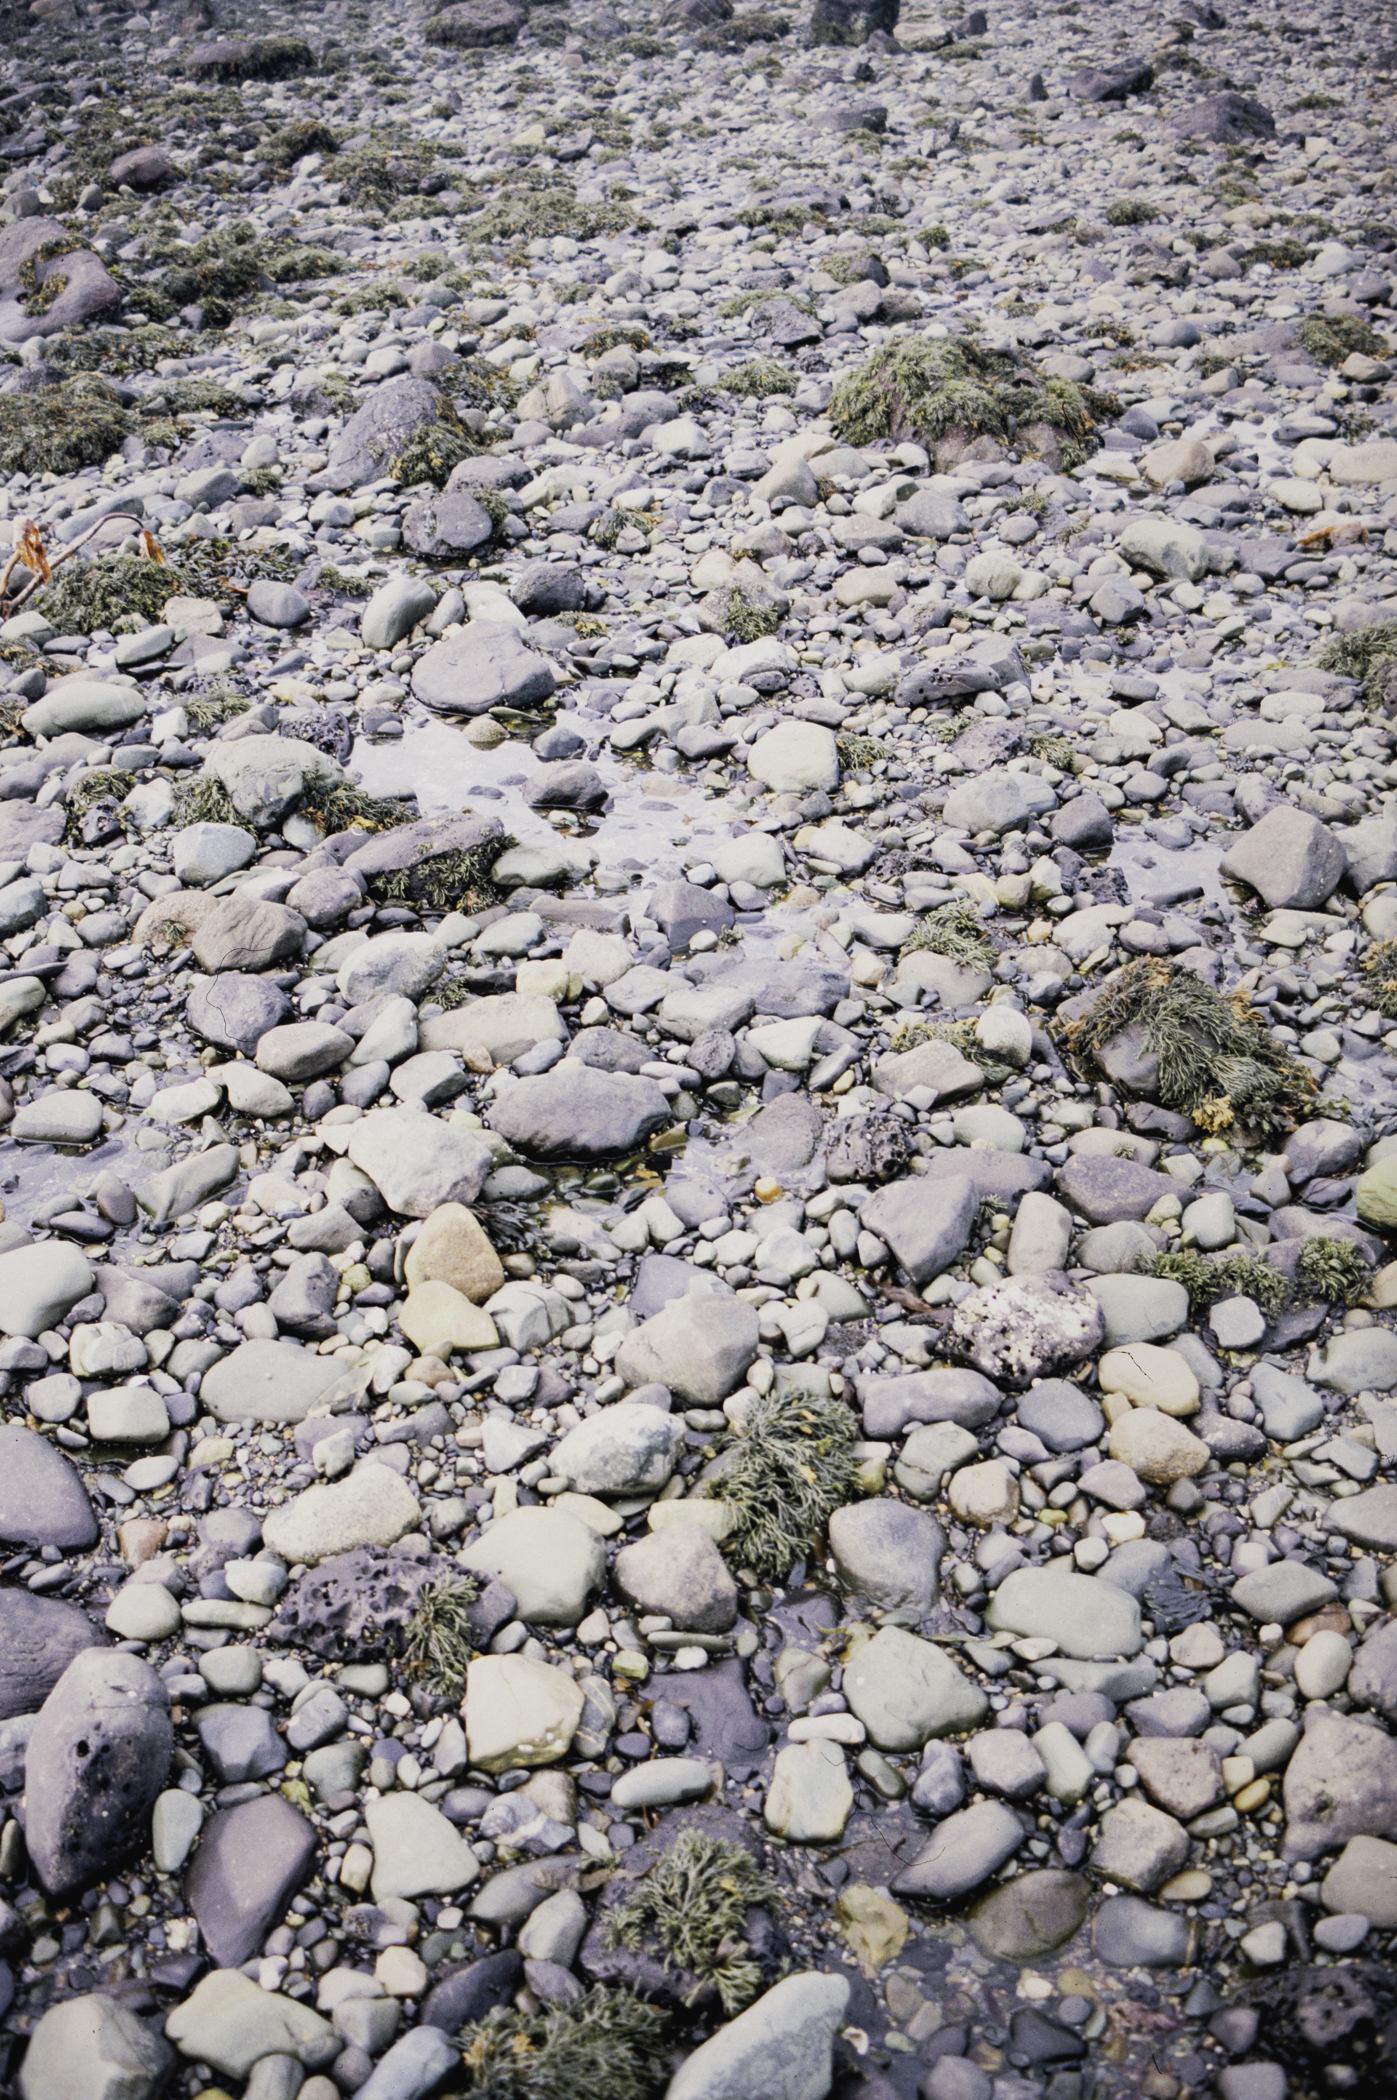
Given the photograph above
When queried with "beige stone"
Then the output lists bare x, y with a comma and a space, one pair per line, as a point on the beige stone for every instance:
1182, 459
452, 1248
439, 1319
1150, 1377
985, 1494
519, 1712
1157, 1447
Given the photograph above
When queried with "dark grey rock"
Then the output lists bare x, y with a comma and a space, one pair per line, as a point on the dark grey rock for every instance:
785, 990
543, 588
1085, 824
250, 1861
98, 1757
871, 1148
926, 1224
578, 1112
374, 437
486, 665
1229, 119
1060, 1414
567, 785
467, 1994
726, 1725
304, 1301
39, 1637
356, 1604
42, 1499
234, 1011
888, 1554
891, 1405
240, 1742
1128, 1931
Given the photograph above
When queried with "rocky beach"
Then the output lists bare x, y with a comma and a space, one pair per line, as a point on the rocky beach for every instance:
698, 1022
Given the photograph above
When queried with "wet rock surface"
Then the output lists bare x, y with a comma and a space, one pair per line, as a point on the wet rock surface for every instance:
696, 1098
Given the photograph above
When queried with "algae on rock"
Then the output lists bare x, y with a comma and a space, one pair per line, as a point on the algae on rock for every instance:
692, 1905
605, 2045
783, 1476
947, 393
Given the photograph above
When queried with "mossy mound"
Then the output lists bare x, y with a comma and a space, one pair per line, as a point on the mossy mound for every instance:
307, 135
1333, 337
545, 212
88, 596
948, 392
268, 58
443, 882
61, 429
1380, 968
1224, 1276
1216, 1061
754, 27
758, 379
956, 931
1129, 211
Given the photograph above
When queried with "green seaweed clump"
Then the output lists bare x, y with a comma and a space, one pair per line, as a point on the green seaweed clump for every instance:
955, 930
204, 801
1380, 966
692, 1906
786, 1474
856, 753
605, 2045
100, 786
748, 622
433, 453
758, 379
613, 336
442, 882
1370, 655
1216, 1061
1054, 750
345, 807
307, 135
1334, 1269
1333, 337
211, 709
938, 390
437, 1640
754, 27
87, 596
1233, 1275
270, 58
61, 429
1129, 211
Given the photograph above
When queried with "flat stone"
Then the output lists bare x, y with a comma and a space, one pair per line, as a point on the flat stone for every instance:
222, 2024
39, 1285
810, 1798
417, 1162
268, 1382
519, 1712
926, 1225
1283, 1592
42, 1498
888, 1555
964, 1851
1290, 859
551, 1562
906, 1690
373, 1506
417, 1852
1030, 1916
890, 1405
1363, 1880
699, 1347
579, 1112
1340, 1783
679, 1572
1128, 1932
781, 2047
1085, 1617
94, 2048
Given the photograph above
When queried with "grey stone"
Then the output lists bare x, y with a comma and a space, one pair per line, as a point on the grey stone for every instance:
995, 801
621, 1450
1340, 1783
372, 1506
1289, 1407
781, 2047
60, 1117
905, 1690
1105, 1189
395, 609
97, 1759
250, 1862
890, 1405
550, 1562
964, 1851
1361, 1885
699, 1347
269, 1382
662, 1782
379, 432
1363, 1360
1139, 1846
1372, 1682
1282, 1592
1289, 858
1369, 1519
240, 1742
486, 665
39, 1637
234, 1011
88, 705
1128, 1932
39, 1285
926, 1224
680, 1573
94, 2048
1060, 1415
781, 1138
247, 934
419, 2060
1004, 1761
418, 1162
1085, 1617
42, 1498
578, 1112
940, 1783
1322, 1147
302, 1050
276, 604
889, 1555
204, 853
1139, 1308
417, 1852
446, 525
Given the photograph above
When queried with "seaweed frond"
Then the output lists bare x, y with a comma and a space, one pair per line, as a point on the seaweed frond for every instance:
789, 1470
747, 622
1380, 967
1334, 1269
758, 379
437, 1640
955, 930
210, 710
1054, 750
856, 753
345, 807
692, 1905
205, 801
456, 881
917, 387
1234, 1275
1216, 1061
1369, 655
91, 595
605, 2045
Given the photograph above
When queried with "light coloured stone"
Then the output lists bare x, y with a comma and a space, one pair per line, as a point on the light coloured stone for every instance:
519, 1712
372, 1507
1150, 1377
810, 1799
416, 1851
1157, 1447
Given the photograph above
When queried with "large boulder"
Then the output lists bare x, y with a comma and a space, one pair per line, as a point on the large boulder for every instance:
380, 432
486, 665
1290, 859
98, 1757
